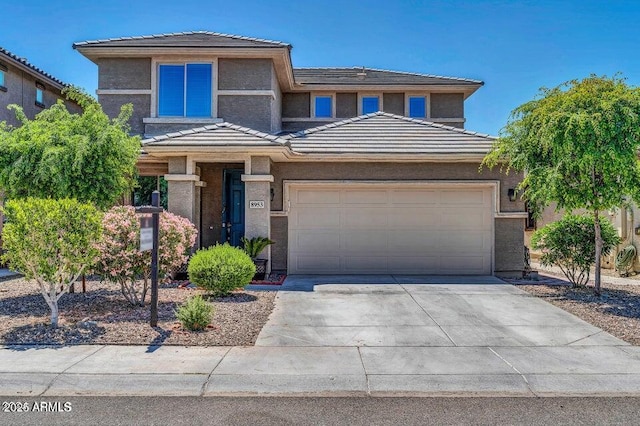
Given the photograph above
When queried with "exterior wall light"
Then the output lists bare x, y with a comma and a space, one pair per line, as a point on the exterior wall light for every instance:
511, 193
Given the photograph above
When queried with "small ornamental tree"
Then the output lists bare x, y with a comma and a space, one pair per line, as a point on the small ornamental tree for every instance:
570, 244
120, 260
578, 144
51, 242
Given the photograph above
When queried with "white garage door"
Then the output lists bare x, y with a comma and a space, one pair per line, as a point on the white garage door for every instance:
390, 228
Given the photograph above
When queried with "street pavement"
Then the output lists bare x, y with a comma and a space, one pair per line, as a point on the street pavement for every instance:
351, 336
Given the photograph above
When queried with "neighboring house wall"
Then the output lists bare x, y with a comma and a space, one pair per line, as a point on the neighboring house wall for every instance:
21, 90
509, 244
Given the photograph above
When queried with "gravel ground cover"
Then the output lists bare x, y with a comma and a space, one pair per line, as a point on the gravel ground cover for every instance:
103, 316
616, 311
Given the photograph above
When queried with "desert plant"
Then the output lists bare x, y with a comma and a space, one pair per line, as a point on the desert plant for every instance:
221, 269
570, 244
195, 314
254, 246
120, 260
51, 242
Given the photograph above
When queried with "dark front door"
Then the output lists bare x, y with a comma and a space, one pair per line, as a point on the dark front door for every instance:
233, 207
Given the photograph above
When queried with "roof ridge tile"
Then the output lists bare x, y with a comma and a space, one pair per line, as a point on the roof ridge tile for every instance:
152, 36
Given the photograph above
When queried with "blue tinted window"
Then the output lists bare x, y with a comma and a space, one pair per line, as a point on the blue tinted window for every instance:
370, 104
39, 96
417, 107
323, 106
198, 90
1, 78
171, 90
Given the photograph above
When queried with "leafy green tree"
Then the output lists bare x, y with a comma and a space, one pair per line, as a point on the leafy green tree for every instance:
570, 244
63, 155
51, 242
578, 144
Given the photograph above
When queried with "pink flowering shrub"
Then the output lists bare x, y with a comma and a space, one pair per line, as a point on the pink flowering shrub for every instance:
121, 262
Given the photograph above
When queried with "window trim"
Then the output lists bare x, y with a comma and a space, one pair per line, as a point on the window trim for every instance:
427, 102
4, 70
182, 60
362, 95
312, 100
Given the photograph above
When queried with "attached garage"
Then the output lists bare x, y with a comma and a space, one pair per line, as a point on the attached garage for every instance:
385, 227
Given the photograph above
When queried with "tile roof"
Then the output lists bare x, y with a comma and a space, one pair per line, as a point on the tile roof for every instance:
36, 70
371, 76
383, 133
222, 134
183, 39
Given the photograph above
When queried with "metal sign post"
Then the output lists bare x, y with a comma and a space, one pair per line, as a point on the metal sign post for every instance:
145, 230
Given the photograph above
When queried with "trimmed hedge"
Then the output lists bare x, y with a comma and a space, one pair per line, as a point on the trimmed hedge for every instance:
221, 269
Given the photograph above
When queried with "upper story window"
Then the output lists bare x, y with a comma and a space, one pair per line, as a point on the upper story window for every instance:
417, 107
40, 95
323, 107
370, 104
3, 71
184, 90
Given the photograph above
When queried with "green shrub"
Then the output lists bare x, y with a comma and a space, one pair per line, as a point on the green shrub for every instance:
221, 269
570, 244
195, 314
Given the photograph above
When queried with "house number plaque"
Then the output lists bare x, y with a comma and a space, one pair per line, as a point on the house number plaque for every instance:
256, 204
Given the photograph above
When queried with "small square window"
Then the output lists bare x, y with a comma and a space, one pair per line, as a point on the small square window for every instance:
370, 104
323, 107
417, 107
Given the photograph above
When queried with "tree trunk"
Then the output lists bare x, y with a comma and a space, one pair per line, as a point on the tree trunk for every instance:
596, 224
54, 314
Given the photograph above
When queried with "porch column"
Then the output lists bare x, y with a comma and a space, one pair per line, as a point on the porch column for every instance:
183, 191
257, 181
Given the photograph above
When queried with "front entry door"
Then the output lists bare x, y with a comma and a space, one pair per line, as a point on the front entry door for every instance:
233, 207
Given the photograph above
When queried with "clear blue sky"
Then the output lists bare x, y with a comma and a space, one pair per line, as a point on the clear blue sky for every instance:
515, 47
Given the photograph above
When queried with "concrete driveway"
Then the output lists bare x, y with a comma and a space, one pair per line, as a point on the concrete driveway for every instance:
409, 311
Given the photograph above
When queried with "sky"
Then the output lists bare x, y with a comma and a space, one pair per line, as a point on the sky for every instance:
515, 47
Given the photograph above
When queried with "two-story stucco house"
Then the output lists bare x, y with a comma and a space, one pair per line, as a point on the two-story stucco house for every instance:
24, 84
349, 170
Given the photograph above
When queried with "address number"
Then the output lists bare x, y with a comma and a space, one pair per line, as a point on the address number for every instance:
256, 204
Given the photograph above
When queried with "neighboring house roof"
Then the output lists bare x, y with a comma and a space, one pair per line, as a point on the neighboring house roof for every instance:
222, 134
30, 68
384, 133
182, 40
371, 76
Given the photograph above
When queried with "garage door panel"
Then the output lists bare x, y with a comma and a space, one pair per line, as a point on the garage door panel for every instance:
354, 218
316, 242
415, 241
415, 196
461, 219
317, 218
461, 197
317, 196
412, 217
370, 241
391, 229
364, 197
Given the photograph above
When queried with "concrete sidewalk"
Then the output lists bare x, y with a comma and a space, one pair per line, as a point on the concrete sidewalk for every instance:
334, 371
